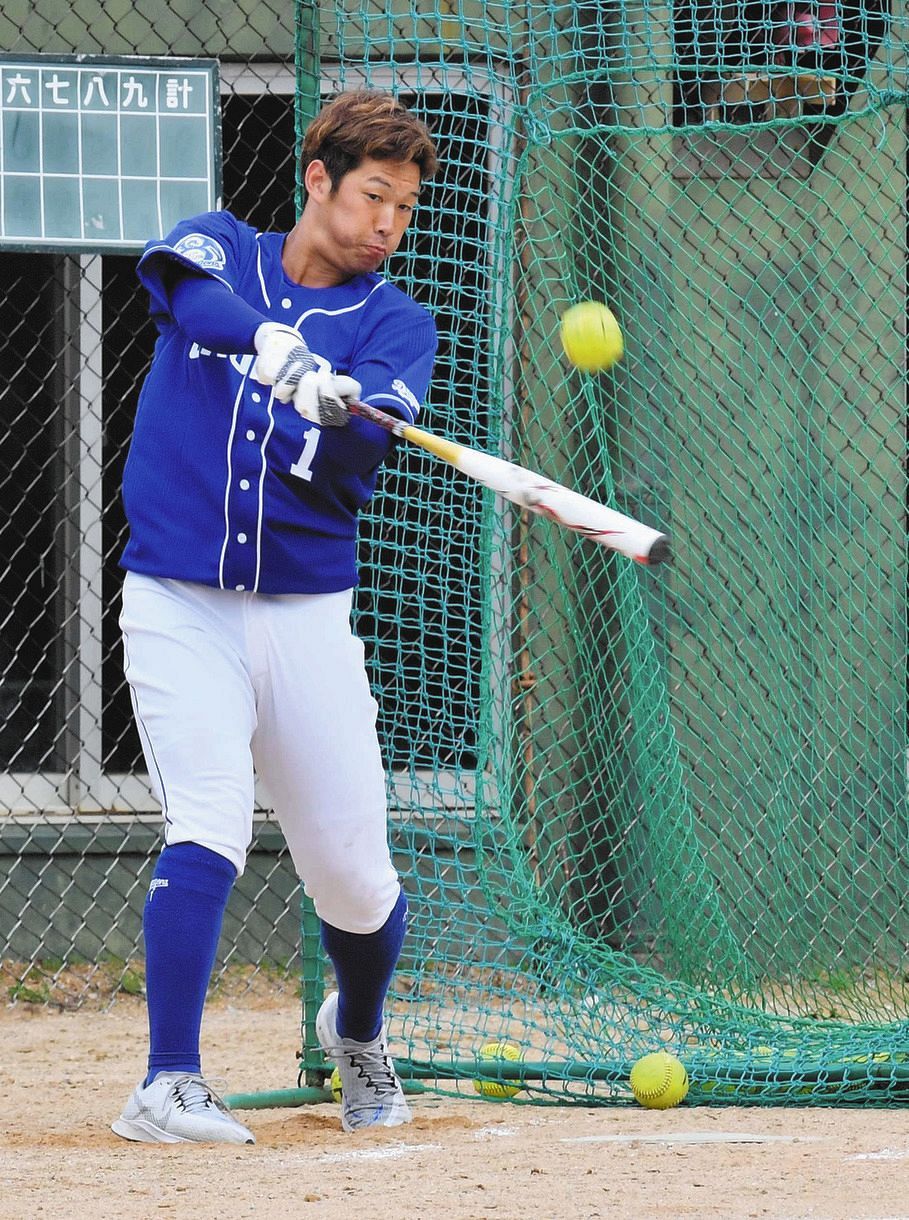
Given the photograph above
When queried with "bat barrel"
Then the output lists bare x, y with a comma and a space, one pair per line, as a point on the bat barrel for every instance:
601, 524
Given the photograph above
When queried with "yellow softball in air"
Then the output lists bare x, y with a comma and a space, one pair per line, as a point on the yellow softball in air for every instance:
591, 336
498, 1050
659, 1081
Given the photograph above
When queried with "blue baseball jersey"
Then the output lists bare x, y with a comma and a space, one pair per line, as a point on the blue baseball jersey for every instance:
224, 484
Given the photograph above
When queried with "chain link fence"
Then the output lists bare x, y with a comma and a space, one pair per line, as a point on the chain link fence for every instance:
79, 828
732, 805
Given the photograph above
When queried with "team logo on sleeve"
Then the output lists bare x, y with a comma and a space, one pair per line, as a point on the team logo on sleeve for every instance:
202, 250
407, 394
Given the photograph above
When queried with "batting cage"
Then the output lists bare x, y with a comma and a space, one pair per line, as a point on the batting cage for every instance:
634, 808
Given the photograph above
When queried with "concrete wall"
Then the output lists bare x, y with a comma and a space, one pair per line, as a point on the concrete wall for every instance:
75, 891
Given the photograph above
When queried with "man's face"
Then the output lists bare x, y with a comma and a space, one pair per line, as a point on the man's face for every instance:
363, 221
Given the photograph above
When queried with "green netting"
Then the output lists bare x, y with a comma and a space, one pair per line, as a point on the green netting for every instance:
642, 808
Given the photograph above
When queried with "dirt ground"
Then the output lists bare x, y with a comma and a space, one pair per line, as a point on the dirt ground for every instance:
64, 1076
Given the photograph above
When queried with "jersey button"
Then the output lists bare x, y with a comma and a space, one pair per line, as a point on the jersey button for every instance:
286, 303
241, 537
244, 484
250, 435
256, 397
241, 588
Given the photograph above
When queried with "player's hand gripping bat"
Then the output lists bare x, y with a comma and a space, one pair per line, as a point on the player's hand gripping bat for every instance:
532, 491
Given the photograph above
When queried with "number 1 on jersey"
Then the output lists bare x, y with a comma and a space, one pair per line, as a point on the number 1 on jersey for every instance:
302, 467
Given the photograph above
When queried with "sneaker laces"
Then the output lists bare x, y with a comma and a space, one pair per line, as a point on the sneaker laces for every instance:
192, 1094
373, 1066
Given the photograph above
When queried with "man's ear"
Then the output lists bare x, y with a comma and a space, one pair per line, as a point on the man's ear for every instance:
317, 182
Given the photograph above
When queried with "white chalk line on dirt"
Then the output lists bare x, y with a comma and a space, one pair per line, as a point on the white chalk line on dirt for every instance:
389, 1152
694, 1137
883, 1154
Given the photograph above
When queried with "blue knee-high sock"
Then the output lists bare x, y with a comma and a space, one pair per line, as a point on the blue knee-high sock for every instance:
182, 923
364, 964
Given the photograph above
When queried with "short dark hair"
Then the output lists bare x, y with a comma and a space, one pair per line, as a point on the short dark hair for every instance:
365, 123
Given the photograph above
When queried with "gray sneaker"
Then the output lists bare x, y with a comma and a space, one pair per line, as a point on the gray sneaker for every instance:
179, 1108
371, 1094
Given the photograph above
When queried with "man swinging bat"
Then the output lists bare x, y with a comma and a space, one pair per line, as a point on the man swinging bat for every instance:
242, 489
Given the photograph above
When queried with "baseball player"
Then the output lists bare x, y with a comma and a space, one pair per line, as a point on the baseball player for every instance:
242, 487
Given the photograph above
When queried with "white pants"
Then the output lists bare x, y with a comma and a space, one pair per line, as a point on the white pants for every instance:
224, 684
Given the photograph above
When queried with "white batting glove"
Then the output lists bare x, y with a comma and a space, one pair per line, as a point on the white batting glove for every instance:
321, 397
282, 359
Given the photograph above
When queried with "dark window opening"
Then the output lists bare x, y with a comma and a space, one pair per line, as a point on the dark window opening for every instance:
31, 441
419, 612
418, 609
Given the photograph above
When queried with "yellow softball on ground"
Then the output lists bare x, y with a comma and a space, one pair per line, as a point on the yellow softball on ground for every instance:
659, 1081
336, 1085
498, 1050
591, 336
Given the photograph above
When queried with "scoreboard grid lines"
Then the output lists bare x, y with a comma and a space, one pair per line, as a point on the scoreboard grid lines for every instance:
104, 153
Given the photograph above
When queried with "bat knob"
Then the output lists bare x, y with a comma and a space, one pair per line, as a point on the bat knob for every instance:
660, 551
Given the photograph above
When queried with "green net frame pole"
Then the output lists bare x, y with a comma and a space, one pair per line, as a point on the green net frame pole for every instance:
768, 1086
311, 1074
308, 78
